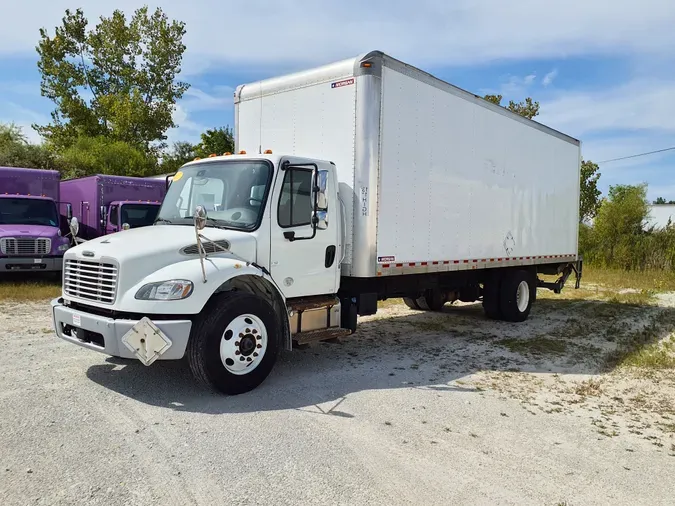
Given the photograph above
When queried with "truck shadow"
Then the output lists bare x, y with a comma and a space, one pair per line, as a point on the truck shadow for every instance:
405, 349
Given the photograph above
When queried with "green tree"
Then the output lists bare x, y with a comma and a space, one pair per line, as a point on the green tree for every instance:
661, 201
103, 155
116, 80
589, 198
181, 153
528, 108
16, 151
620, 223
215, 141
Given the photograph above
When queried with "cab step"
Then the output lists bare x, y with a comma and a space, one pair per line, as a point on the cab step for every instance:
309, 303
314, 336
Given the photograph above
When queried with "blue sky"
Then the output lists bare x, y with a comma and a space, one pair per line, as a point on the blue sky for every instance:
604, 75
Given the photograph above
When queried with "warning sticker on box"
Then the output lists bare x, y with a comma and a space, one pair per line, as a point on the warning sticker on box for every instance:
384, 260
340, 84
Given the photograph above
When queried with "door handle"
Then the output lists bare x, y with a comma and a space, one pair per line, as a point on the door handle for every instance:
330, 256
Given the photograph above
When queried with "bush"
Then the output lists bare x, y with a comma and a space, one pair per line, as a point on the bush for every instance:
619, 239
100, 155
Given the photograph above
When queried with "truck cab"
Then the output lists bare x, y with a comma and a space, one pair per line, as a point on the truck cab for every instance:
104, 204
122, 215
30, 226
256, 239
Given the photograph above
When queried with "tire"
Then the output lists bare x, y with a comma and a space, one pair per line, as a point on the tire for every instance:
432, 300
240, 363
411, 303
491, 296
516, 296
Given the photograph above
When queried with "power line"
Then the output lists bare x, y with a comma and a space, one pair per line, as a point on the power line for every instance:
640, 154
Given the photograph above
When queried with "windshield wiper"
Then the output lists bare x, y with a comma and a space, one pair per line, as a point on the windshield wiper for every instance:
211, 222
162, 220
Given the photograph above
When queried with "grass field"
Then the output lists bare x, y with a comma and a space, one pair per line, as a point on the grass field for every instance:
29, 289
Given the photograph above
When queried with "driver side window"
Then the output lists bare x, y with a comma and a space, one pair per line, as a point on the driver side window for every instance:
295, 202
113, 216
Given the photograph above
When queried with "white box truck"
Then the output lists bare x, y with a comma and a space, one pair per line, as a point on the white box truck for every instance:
354, 182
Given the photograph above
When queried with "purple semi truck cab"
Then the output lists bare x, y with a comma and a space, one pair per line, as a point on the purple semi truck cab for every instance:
30, 226
106, 204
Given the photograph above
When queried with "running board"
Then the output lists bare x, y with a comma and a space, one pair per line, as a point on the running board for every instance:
314, 336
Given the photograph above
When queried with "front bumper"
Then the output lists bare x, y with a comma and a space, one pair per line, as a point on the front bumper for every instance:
106, 335
42, 264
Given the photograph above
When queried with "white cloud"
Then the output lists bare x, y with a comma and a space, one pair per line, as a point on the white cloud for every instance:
196, 99
426, 32
548, 78
640, 105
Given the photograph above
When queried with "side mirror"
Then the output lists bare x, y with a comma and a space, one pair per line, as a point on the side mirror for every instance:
104, 215
74, 226
320, 214
126, 226
200, 217
69, 211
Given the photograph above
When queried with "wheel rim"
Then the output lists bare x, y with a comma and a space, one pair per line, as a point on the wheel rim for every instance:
523, 296
243, 344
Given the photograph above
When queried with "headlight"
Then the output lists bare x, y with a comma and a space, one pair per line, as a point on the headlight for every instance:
63, 247
174, 289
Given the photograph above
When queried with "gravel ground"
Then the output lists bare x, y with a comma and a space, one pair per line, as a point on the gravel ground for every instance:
416, 408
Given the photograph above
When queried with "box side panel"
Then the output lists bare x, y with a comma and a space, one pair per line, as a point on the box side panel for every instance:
462, 184
122, 189
315, 121
82, 195
29, 182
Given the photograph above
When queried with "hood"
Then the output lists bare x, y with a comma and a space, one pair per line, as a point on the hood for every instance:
162, 243
28, 231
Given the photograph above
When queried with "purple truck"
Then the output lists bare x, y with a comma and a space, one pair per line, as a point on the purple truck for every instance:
30, 225
105, 204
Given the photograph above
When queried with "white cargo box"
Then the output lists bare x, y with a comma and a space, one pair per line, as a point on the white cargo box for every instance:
433, 178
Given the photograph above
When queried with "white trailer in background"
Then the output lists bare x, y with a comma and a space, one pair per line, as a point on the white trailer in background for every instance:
354, 182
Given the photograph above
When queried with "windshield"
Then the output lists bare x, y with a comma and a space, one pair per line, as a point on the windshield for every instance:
27, 211
139, 215
232, 192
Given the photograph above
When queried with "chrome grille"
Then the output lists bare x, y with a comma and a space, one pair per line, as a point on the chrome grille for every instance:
25, 246
90, 280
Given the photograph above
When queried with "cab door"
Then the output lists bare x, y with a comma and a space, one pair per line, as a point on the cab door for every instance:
304, 244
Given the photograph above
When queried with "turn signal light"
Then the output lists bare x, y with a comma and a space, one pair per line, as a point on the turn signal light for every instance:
242, 152
268, 151
212, 155
227, 154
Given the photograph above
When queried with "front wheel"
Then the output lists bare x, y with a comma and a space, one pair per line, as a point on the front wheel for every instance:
234, 343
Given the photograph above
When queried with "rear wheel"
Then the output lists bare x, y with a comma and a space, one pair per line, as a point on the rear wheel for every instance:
234, 343
411, 303
516, 296
432, 300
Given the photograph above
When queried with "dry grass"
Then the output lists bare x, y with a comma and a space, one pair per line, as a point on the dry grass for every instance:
30, 290
649, 281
